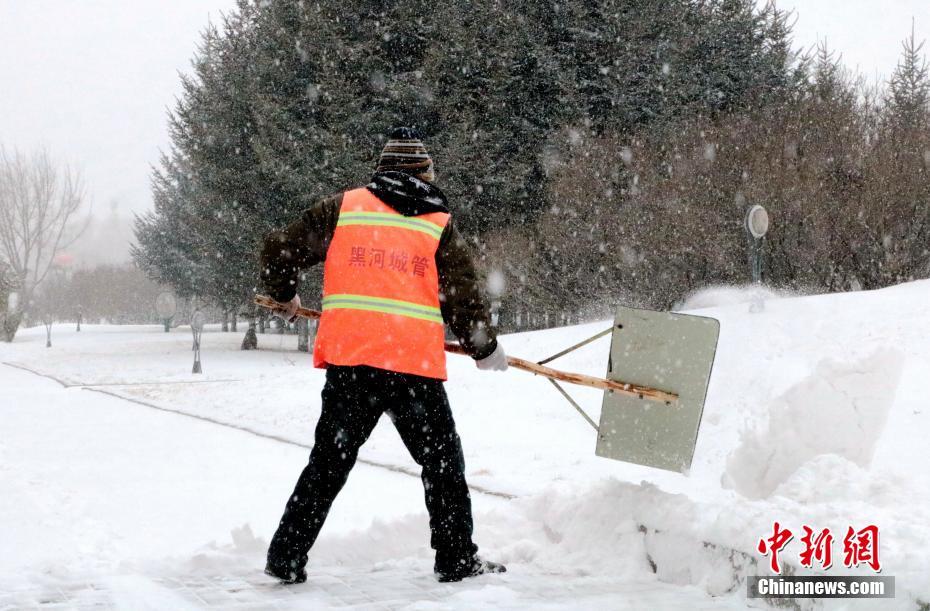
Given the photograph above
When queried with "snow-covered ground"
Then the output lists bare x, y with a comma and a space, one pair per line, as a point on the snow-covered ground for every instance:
815, 415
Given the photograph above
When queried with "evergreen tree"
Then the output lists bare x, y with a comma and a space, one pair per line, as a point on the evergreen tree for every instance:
169, 249
897, 218
908, 98
202, 237
290, 101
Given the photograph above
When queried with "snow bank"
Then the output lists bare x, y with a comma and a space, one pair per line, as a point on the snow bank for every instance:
724, 295
840, 409
571, 546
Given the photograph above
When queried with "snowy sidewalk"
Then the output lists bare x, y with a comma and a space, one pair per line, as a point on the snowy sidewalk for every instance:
107, 504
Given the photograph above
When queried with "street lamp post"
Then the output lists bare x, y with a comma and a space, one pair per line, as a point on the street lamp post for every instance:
53, 303
197, 322
757, 225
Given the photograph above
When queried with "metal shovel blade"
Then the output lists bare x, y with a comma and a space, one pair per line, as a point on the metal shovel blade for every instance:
674, 352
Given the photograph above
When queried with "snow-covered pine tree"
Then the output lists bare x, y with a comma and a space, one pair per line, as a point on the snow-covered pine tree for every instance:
169, 249
209, 199
899, 214
650, 73
290, 101
908, 98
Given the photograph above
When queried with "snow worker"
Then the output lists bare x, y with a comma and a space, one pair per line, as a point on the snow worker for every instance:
395, 272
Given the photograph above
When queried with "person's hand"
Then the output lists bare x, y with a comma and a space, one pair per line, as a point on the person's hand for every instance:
289, 310
496, 361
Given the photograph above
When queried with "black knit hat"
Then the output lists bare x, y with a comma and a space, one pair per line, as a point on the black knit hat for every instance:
404, 152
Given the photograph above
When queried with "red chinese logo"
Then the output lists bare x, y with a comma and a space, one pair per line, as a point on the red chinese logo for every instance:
819, 548
775, 544
859, 547
862, 548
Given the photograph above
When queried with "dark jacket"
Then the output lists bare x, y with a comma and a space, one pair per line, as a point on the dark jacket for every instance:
304, 243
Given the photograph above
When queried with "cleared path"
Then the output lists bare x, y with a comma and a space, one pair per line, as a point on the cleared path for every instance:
109, 504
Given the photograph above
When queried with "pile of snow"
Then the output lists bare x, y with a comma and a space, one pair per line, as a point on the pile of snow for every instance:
838, 411
720, 296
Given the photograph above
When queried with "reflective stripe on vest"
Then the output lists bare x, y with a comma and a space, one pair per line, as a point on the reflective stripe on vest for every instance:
381, 290
389, 220
381, 304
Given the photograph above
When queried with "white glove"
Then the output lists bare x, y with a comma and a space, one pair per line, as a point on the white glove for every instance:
289, 311
496, 361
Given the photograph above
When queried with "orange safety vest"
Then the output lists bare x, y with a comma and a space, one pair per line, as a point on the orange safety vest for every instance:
381, 290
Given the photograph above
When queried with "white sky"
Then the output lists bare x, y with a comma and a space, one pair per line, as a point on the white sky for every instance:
91, 79
868, 33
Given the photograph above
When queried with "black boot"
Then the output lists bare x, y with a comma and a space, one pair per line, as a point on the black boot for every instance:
286, 574
476, 566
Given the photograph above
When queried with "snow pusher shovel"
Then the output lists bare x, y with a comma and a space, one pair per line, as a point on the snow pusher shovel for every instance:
647, 432
667, 350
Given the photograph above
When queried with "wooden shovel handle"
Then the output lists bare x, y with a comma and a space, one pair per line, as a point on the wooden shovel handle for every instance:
634, 390
267, 302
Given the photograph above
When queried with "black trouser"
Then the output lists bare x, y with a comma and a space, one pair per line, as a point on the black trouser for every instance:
353, 400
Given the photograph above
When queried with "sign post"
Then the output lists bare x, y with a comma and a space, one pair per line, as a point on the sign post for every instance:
757, 225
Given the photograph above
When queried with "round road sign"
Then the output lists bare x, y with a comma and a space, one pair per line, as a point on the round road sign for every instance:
166, 305
757, 221
197, 321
